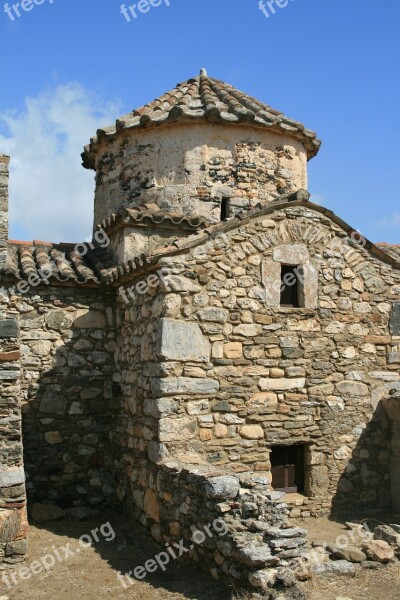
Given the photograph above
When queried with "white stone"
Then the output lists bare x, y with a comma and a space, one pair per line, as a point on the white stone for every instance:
283, 384
184, 385
352, 388
291, 254
247, 330
176, 429
182, 341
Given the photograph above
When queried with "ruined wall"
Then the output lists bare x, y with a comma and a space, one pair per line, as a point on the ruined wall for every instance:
190, 168
239, 375
67, 340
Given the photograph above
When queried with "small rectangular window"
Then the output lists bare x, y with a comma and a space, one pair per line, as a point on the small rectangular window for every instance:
287, 467
224, 208
291, 286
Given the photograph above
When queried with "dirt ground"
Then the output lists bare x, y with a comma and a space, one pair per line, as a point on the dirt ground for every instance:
380, 584
91, 574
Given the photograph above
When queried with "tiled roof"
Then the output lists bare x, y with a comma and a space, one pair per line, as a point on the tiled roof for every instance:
300, 198
204, 98
57, 262
151, 215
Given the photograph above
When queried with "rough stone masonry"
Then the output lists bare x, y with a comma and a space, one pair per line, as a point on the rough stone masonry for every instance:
218, 390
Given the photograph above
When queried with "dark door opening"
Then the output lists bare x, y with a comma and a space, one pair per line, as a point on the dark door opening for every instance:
287, 466
290, 286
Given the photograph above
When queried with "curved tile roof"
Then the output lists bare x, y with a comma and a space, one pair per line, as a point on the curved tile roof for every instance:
151, 215
204, 98
57, 262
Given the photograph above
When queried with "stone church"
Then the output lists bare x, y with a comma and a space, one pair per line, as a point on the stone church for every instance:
223, 348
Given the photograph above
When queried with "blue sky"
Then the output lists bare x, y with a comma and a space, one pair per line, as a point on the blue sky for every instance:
73, 65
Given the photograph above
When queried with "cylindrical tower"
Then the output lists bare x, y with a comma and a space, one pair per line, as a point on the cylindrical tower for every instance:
202, 152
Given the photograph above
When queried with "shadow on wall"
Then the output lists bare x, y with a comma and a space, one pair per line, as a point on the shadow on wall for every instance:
370, 482
70, 406
67, 403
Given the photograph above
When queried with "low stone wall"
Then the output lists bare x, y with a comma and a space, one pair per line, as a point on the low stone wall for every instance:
236, 523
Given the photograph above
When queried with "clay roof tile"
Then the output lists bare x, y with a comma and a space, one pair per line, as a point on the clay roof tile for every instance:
204, 98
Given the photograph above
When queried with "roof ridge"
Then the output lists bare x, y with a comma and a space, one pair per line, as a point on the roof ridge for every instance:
299, 198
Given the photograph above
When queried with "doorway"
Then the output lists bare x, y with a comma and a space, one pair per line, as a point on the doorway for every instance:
287, 467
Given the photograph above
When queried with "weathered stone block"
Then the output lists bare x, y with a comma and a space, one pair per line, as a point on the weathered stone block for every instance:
263, 401
291, 254
388, 535
181, 340
233, 350
317, 480
352, 388
9, 375
248, 330
257, 556
252, 432
59, 319
9, 328
160, 407
178, 283
213, 314
197, 407
394, 358
394, 323
349, 553
13, 524
222, 488
176, 430
9, 356
156, 451
282, 384
11, 476
184, 385
378, 550
337, 567
53, 403
16, 548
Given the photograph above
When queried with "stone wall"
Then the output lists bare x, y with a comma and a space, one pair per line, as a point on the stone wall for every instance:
239, 375
67, 342
236, 526
190, 168
135, 433
13, 521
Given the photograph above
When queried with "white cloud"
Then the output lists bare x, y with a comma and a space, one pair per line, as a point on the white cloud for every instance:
392, 221
51, 194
